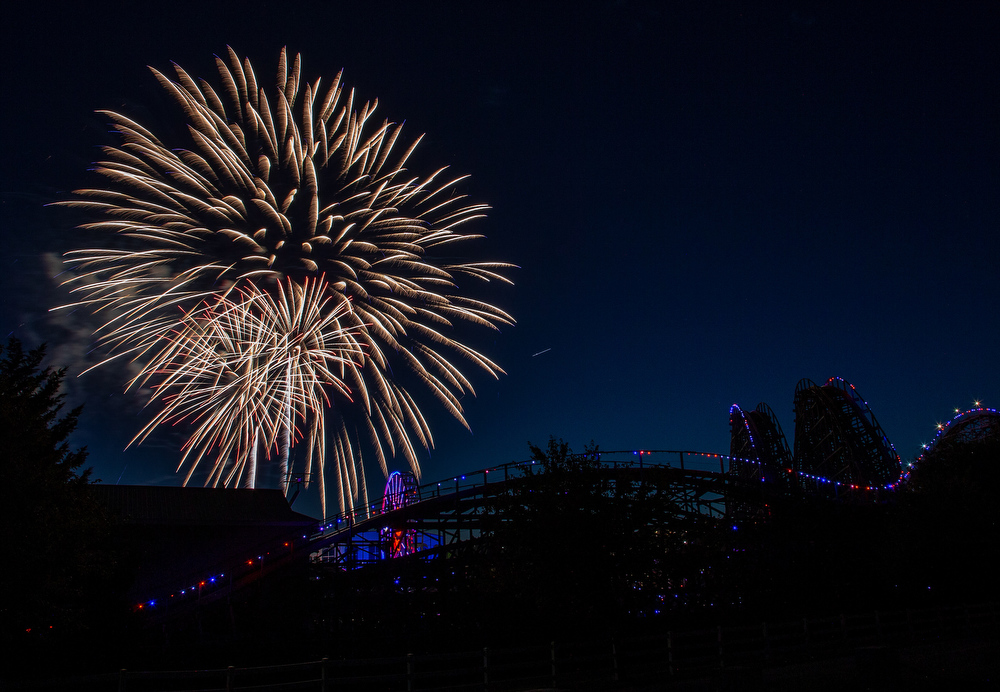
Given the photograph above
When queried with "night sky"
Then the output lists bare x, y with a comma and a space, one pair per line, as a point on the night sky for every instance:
707, 203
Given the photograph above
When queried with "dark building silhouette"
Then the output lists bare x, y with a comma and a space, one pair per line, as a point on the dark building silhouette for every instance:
179, 535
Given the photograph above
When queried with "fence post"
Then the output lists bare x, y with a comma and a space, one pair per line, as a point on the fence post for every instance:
409, 672
486, 667
121, 680
805, 631
322, 674
767, 642
670, 652
614, 660
722, 663
878, 628
229, 678
553, 659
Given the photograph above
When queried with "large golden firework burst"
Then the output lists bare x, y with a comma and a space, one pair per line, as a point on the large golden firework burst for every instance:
277, 188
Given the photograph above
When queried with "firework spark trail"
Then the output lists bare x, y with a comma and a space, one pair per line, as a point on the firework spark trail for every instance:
278, 188
249, 371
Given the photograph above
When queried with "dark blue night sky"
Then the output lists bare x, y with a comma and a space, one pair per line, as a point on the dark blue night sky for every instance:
707, 203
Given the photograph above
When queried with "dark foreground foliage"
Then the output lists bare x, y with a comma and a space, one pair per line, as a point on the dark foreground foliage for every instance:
54, 587
569, 553
945, 534
577, 547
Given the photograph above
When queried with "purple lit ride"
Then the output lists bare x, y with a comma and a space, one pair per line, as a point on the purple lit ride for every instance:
401, 489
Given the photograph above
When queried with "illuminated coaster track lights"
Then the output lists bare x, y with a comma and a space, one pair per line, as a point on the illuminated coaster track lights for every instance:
973, 425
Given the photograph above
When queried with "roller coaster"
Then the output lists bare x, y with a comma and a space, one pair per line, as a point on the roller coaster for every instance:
840, 453
974, 425
431, 519
840, 449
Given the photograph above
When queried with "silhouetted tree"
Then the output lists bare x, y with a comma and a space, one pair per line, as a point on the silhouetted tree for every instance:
52, 529
577, 545
810, 556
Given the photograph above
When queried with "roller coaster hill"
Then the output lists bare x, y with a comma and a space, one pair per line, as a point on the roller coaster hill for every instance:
840, 455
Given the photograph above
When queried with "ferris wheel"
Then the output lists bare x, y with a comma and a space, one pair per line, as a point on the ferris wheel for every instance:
400, 490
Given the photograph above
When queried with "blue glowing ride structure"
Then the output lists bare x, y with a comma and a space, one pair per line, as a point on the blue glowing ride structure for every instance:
401, 489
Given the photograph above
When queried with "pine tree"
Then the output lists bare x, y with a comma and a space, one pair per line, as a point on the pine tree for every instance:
50, 523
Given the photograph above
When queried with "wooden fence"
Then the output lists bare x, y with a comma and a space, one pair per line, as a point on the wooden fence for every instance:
602, 664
